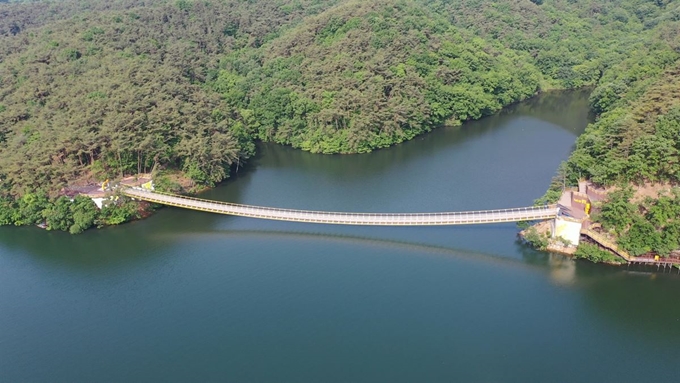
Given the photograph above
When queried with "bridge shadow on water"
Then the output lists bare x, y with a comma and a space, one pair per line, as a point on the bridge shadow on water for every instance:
422, 249
138, 242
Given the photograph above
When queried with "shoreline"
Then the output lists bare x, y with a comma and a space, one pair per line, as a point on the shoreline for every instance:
574, 233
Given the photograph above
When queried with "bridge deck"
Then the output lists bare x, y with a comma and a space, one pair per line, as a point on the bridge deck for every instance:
342, 218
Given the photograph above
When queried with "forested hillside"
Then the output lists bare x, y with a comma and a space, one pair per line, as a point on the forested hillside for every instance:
636, 142
100, 89
366, 75
119, 90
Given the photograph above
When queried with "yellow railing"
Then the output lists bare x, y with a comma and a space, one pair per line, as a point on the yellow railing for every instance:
606, 242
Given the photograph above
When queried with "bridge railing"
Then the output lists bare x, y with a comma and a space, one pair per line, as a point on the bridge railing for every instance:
347, 218
500, 213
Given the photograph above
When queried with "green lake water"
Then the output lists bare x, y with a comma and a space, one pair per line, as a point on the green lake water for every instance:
190, 296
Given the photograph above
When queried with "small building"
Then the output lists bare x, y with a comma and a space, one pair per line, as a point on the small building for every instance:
100, 193
567, 228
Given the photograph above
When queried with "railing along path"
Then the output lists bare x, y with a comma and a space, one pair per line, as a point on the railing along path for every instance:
609, 244
342, 218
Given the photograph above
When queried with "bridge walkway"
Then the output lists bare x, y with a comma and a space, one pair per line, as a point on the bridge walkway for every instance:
346, 218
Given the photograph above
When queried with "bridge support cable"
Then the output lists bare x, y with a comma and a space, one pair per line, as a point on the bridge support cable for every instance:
346, 218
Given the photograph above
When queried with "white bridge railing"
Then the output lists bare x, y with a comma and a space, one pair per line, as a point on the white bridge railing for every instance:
342, 218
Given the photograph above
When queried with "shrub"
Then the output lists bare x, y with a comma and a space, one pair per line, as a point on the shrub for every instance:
536, 239
595, 254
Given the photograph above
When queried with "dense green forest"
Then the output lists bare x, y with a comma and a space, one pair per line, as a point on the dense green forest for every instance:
636, 138
99, 89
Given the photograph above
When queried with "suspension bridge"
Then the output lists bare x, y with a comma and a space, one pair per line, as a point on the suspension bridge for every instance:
346, 218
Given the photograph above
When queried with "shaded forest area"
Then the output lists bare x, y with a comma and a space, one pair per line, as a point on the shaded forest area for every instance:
99, 89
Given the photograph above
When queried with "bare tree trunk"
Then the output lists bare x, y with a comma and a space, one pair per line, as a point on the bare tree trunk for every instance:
120, 165
155, 165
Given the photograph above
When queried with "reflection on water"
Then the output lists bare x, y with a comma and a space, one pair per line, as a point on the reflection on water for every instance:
569, 114
562, 269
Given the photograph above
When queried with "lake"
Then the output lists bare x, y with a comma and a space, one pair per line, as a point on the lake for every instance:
191, 296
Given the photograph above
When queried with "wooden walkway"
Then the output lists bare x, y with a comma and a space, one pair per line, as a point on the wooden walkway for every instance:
609, 244
342, 218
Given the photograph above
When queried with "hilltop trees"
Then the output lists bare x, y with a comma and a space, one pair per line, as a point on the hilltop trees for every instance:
102, 89
105, 89
367, 75
116, 88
